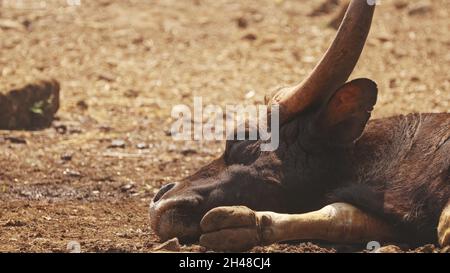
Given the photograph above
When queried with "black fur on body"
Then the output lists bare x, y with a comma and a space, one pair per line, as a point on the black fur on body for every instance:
398, 170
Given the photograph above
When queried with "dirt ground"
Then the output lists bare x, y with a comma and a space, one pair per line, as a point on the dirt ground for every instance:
123, 65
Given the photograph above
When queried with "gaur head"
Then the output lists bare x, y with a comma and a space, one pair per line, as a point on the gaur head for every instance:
319, 119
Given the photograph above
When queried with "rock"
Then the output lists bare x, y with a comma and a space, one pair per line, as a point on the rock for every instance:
250, 94
420, 8
142, 146
14, 223
66, 157
242, 22
384, 37
82, 105
29, 107
117, 143
308, 59
188, 151
10, 24
73, 247
171, 245
106, 76
401, 4
72, 173
105, 128
250, 37
27, 23
131, 93
389, 249
127, 187
16, 140
415, 79
393, 83
426, 249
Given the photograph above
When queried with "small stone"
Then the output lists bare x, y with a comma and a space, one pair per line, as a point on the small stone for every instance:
426, 249
60, 128
401, 4
82, 105
27, 23
308, 59
26, 194
72, 173
250, 94
242, 22
167, 132
142, 146
393, 83
105, 76
105, 128
117, 143
389, 249
170, 245
127, 187
384, 38
415, 79
131, 93
16, 140
420, 9
10, 24
66, 157
250, 37
73, 247
188, 151
14, 223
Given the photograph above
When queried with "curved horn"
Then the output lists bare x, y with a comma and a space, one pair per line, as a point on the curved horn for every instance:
335, 67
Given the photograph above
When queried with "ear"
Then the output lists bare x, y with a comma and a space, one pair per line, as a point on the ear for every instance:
343, 119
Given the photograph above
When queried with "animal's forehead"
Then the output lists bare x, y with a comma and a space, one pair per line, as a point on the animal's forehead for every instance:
242, 151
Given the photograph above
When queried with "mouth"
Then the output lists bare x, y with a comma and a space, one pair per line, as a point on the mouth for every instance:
176, 218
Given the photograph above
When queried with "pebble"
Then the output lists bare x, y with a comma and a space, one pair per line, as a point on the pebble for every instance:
142, 146
66, 157
242, 22
389, 249
16, 140
127, 187
72, 173
10, 24
420, 9
170, 245
117, 143
250, 37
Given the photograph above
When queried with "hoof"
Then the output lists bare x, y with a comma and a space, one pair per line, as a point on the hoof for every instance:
230, 229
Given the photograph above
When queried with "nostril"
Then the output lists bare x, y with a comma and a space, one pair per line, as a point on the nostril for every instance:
162, 191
